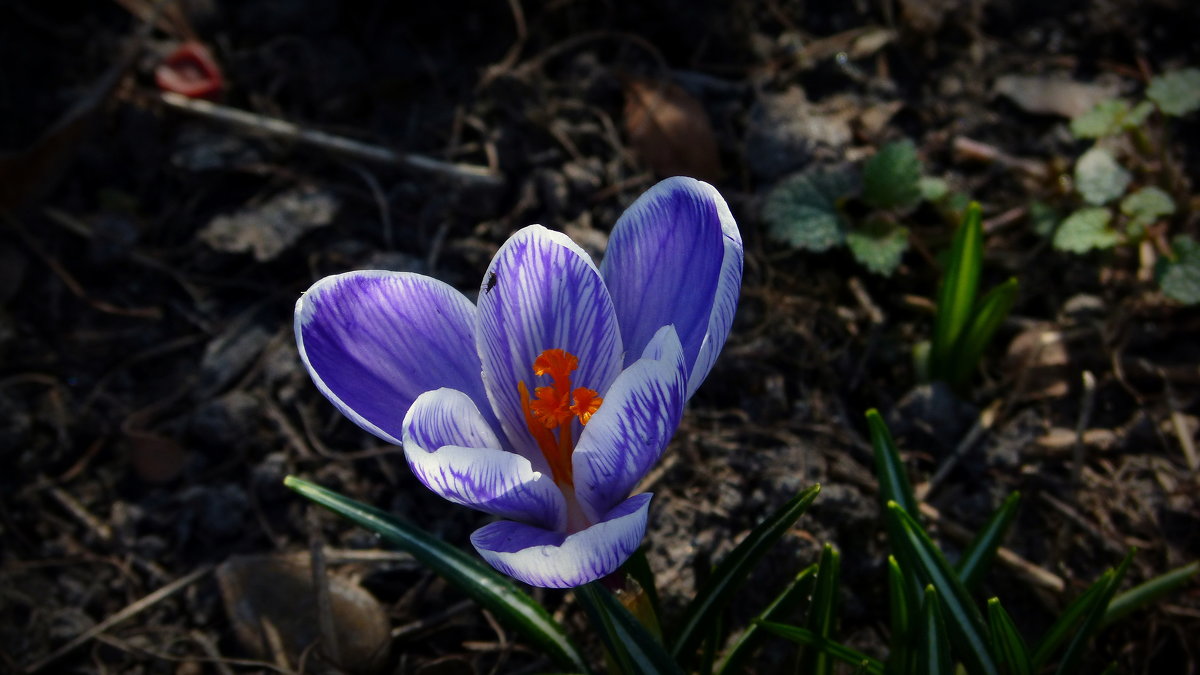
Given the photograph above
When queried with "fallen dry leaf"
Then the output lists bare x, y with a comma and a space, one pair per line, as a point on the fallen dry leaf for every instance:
669, 130
1050, 95
271, 602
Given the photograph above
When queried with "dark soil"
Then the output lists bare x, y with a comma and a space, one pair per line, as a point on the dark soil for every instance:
151, 397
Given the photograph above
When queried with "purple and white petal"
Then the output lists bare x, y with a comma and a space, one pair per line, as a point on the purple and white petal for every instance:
542, 292
725, 304
454, 451
557, 560
663, 264
374, 341
633, 426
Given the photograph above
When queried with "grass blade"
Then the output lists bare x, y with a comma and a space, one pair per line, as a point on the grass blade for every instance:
956, 297
732, 572
798, 588
977, 559
1091, 620
1071, 616
1007, 644
822, 614
964, 622
638, 568
633, 648
903, 606
992, 310
1146, 593
889, 469
489, 588
806, 637
933, 645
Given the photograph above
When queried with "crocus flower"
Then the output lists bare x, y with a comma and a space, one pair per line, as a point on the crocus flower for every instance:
547, 400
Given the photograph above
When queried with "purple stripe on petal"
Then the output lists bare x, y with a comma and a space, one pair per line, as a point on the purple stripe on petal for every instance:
374, 341
556, 560
728, 288
634, 424
663, 263
455, 453
542, 292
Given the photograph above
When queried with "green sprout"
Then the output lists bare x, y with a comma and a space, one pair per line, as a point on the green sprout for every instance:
965, 323
811, 210
1129, 184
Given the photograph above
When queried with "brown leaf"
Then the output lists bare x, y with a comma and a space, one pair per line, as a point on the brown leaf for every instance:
670, 130
271, 602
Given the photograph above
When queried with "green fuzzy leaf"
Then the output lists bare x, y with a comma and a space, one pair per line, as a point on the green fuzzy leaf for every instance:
731, 573
878, 245
627, 640
1086, 229
1109, 118
1180, 278
891, 179
933, 188
1176, 93
802, 210
1099, 178
489, 588
1043, 217
1145, 207
845, 654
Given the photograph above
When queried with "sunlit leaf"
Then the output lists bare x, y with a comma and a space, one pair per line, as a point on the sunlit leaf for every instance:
1086, 229
985, 321
1176, 93
497, 593
956, 298
1099, 178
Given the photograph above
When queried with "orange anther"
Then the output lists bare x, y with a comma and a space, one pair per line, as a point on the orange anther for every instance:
554, 410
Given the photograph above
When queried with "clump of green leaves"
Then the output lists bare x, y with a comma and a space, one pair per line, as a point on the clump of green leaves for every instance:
936, 624
1124, 180
965, 323
819, 209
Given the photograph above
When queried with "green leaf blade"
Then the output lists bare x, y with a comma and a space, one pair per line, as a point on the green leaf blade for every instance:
1007, 643
964, 622
933, 644
822, 613
797, 589
1148, 592
1091, 620
804, 636
731, 573
977, 558
988, 317
489, 588
889, 468
627, 640
956, 298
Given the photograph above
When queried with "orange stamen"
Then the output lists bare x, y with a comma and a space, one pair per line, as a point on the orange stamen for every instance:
550, 416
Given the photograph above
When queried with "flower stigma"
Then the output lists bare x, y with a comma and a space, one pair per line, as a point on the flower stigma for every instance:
549, 415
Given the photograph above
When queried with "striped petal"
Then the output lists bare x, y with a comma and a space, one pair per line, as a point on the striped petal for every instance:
550, 559
542, 292
374, 341
633, 426
454, 451
680, 240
